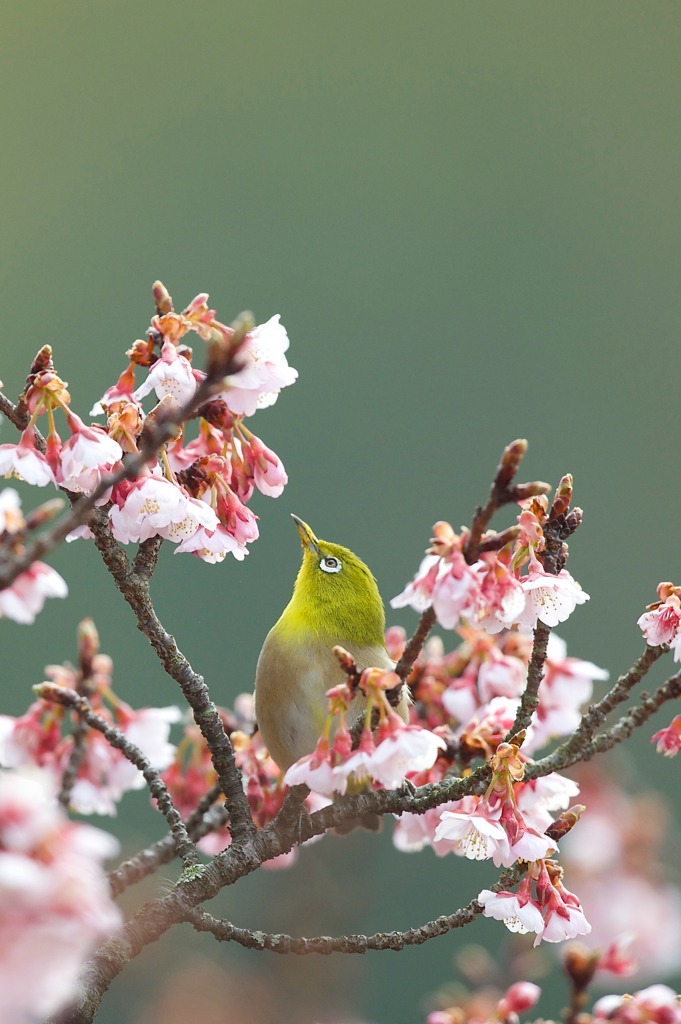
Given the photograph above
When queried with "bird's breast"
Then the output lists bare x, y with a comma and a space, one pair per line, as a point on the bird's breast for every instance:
291, 681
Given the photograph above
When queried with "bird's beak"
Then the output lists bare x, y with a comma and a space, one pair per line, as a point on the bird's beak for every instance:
306, 535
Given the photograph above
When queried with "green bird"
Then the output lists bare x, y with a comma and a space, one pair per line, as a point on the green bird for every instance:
335, 601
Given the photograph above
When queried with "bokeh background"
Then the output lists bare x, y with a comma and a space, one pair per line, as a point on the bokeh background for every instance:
468, 216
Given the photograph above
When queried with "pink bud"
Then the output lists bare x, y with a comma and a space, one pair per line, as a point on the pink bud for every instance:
521, 996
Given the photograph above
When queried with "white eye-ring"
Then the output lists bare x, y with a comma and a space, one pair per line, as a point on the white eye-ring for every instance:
330, 564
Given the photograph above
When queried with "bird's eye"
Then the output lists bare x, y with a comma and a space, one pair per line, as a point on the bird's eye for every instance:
330, 564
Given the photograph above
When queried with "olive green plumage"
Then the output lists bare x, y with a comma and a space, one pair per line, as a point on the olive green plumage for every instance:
335, 601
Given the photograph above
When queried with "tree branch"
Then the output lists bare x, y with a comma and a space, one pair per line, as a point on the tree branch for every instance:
135, 589
225, 931
70, 699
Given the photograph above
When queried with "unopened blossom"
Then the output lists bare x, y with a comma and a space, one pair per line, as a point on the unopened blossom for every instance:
660, 624
669, 739
477, 835
266, 370
549, 599
658, 1004
563, 917
171, 376
55, 902
11, 518
517, 913
617, 958
518, 998
24, 598
266, 467
26, 463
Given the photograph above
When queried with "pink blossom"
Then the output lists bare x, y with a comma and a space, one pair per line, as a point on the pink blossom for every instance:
460, 702
25, 596
267, 468
55, 903
669, 739
24, 462
419, 593
105, 774
660, 624
413, 832
549, 599
658, 1003
518, 914
456, 593
83, 532
396, 641
501, 676
154, 506
617, 958
212, 546
121, 391
408, 748
11, 519
266, 370
171, 377
562, 921
477, 835
537, 798
518, 998
88, 452
316, 771
503, 597
237, 519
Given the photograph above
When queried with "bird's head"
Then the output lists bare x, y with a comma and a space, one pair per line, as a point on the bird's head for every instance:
335, 593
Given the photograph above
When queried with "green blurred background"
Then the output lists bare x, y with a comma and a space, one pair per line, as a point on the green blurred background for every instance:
468, 216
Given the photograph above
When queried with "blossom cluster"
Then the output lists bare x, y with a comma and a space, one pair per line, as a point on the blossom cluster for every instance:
44, 736
196, 493
492, 593
55, 903
26, 595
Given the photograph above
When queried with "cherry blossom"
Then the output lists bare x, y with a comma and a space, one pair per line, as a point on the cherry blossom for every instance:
549, 599
401, 750
669, 739
212, 546
11, 518
25, 462
518, 998
267, 469
517, 913
660, 624
26, 595
658, 1003
266, 370
120, 392
85, 455
501, 676
170, 377
316, 771
477, 835
154, 506
503, 598
55, 904
419, 593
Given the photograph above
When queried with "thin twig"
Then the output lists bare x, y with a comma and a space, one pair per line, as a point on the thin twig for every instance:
529, 701
69, 698
225, 931
135, 589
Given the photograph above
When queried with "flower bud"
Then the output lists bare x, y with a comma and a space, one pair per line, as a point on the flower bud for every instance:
518, 998
510, 460
164, 303
521, 492
88, 646
37, 517
580, 964
561, 501
567, 820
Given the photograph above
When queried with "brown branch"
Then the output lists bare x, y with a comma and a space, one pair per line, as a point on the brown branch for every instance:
69, 698
75, 760
199, 823
225, 931
529, 701
134, 586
